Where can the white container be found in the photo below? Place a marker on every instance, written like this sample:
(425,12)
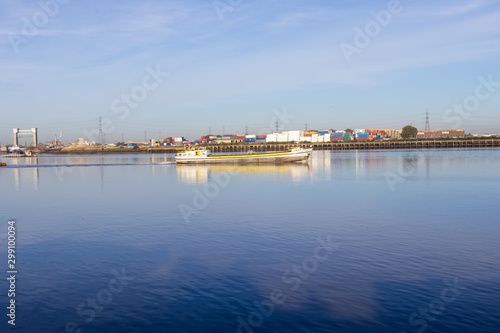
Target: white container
(283,138)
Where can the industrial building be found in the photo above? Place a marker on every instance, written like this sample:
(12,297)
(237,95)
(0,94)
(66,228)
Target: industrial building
(441,134)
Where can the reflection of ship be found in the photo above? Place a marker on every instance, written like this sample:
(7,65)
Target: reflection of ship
(200,174)
(204,156)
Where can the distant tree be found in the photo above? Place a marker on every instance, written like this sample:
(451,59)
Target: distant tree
(409,132)
(348,130)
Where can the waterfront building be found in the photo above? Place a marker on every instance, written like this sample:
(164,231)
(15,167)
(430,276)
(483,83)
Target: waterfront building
(441,134)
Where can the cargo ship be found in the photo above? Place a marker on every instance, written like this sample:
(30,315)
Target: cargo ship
(204,156)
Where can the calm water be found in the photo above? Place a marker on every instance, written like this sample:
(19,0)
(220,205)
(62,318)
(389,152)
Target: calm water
(367,241)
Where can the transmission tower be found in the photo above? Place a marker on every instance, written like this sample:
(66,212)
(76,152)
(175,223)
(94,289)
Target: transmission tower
(306,127)
(427,124)
(101,133)
(246,130)
(277,126)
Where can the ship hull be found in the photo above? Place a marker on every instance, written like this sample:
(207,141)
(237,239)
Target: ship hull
(273,158)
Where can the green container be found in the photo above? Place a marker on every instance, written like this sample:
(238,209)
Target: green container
(347,137)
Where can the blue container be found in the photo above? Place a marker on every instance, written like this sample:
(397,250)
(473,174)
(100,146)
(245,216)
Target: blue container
(250,140)
(337,135)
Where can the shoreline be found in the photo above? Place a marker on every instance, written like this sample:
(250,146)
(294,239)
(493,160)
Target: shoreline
(355,145)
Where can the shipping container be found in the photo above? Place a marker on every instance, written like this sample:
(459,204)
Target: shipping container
(249,140)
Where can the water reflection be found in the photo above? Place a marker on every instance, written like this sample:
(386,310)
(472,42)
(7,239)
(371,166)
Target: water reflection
(200,174)
(19,174)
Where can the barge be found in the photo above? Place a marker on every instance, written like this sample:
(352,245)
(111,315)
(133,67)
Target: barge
(204,156)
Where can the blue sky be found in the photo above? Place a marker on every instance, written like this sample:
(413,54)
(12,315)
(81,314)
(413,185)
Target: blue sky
(239,66)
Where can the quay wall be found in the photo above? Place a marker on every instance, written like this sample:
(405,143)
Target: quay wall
(353,145)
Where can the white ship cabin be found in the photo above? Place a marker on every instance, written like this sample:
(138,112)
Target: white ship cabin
(203,152)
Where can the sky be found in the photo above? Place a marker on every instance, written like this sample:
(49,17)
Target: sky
(190,67)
